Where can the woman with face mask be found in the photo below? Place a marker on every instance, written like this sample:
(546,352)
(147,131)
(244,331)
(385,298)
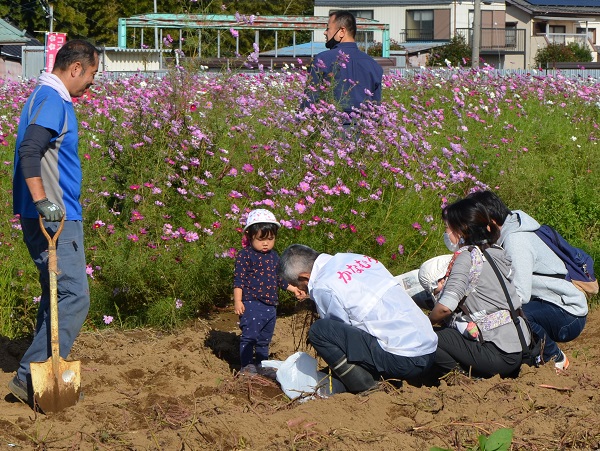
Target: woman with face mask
(473,293)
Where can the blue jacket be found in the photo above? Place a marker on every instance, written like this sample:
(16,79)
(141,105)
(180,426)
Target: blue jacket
(352,71)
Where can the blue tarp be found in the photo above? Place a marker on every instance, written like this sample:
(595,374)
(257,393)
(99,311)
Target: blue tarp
(306,49)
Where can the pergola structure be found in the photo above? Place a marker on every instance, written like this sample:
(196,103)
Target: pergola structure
(256,23)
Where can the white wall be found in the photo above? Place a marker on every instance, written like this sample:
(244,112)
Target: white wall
(10,70)
(129,60)
(395,16)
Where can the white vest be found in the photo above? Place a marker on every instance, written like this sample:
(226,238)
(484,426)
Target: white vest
(358,290)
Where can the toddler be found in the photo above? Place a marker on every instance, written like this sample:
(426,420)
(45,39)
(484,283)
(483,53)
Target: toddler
(255,288)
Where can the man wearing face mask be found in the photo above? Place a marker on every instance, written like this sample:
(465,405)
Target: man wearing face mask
(355,77)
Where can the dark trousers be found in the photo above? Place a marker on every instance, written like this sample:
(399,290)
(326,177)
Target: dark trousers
(484,359)
(257,324)
(552,324)
(334,340)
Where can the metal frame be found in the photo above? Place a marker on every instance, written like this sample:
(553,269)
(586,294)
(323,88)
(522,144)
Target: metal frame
(225,22)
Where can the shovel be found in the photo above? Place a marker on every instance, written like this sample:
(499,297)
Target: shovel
(56,382)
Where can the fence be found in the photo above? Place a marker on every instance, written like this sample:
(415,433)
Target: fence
(587,74)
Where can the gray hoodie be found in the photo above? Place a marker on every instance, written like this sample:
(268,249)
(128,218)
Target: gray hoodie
(529,254)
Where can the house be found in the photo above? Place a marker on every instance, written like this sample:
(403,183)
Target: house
(511,30)
(11,41)
(557,21)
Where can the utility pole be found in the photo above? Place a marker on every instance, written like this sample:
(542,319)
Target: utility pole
(48,8)
(51,16)
(476,34)
(155,30)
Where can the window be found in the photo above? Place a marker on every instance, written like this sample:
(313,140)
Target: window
(419,25)
(591,33)
(555,32)
(511,34)
(540,27)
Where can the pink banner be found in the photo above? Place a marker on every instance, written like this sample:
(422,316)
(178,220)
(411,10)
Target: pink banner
(54,41)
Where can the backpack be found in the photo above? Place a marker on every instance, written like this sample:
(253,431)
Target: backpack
(580,266)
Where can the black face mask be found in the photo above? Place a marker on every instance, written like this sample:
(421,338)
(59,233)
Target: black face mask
(333,42)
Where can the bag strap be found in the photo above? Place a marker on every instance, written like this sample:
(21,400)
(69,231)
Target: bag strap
(513,313)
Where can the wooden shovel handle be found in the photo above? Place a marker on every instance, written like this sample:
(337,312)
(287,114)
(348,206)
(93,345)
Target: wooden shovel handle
(53,271)
(52,265)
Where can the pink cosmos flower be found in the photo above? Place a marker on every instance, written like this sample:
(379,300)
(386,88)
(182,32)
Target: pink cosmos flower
(108,319)
(136,216)
(380,240)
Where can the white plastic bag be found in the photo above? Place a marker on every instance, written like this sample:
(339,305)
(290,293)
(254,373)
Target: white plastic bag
(298,375)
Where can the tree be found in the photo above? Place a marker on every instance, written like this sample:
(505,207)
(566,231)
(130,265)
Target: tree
(25,15)
(561,53)
(98,20)
(456,53)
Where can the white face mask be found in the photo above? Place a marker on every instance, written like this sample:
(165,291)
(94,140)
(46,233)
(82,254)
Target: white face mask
(452,247)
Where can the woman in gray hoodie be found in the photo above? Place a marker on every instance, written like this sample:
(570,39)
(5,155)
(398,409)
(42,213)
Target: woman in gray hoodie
(555,308)
(473,293)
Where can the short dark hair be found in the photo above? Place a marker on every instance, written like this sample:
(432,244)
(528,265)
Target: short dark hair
(345,19)
(74,51)
(472,221)
(262,230)
(497,210)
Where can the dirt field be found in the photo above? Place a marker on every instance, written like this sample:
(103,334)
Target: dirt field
(147,390)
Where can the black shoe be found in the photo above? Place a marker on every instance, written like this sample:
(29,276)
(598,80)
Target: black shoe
(19,389)
(267,371)
(249,370)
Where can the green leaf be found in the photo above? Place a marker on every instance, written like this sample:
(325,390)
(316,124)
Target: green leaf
(500,440)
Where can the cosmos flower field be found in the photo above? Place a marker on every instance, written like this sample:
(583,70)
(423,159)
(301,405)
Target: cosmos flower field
(173,165)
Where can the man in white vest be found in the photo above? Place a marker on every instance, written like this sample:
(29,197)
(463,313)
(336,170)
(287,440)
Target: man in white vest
(369,327)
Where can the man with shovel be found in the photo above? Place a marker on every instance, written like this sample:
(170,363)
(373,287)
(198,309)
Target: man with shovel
(47,185)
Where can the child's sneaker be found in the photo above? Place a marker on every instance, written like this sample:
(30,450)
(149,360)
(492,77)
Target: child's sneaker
(562,362)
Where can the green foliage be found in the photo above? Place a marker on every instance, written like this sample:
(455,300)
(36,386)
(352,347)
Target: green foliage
(163,158)
(97,21)
(377,47)
(499,440)
(17,306)
(562,53)
(456,53)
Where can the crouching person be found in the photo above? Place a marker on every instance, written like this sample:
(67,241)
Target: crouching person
(369,327)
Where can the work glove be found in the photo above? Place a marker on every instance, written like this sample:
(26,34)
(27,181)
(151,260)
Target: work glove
(49,210)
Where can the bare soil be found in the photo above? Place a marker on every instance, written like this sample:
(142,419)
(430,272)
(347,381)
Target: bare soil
(151,390)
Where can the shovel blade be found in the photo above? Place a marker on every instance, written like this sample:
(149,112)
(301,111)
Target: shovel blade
(53,390)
